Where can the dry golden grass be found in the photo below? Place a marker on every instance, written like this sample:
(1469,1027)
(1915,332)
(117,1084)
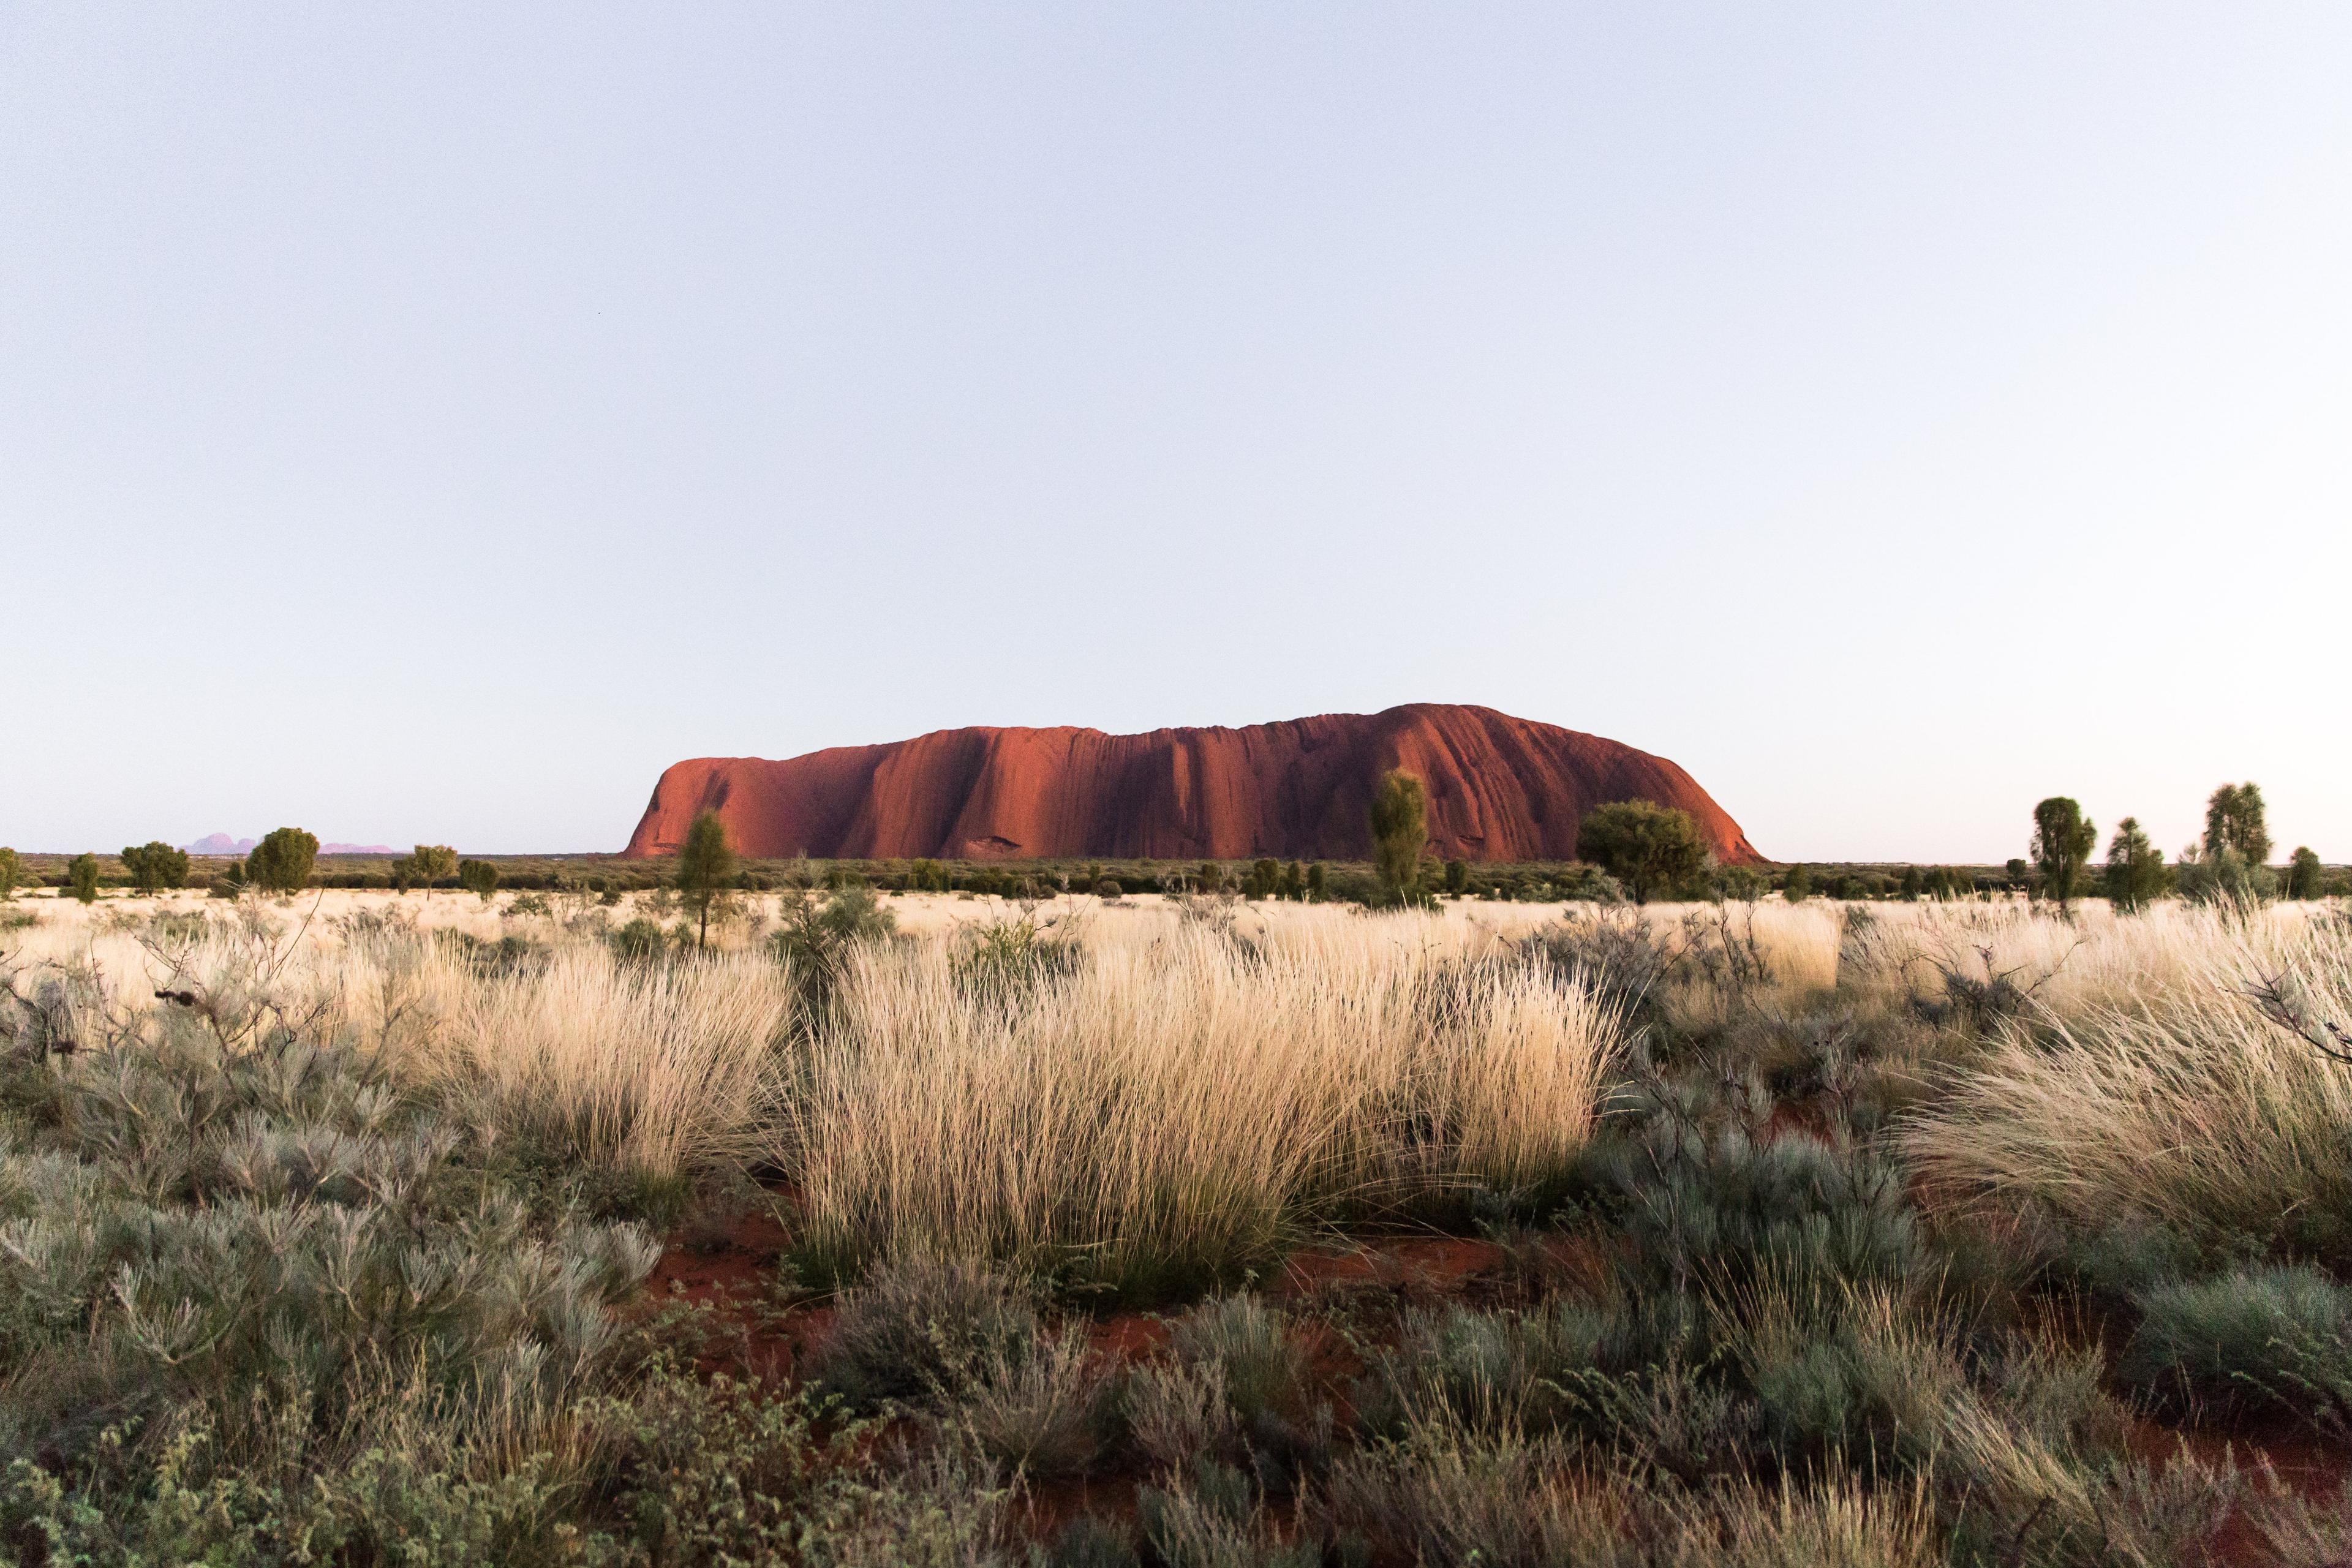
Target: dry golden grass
(651,1067)
(645,1068)
(1196,1087)
(1180,1099)
(2187,1103)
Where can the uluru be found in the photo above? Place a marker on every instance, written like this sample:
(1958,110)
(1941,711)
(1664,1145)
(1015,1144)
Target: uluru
(1499,789)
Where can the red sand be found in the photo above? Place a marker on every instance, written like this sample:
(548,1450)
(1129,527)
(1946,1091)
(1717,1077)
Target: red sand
(1500,789)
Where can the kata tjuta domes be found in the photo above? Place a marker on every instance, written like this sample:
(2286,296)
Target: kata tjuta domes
(1499,789)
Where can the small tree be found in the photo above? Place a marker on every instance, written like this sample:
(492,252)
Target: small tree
(82,871)
(1294,881)
(2236,820)
(706,864)
(155,865)
(2136,875)
(1399,824)
(1211,877)
(404,873)
(1651,848)
(479,877)
(1318,882)
(1265,878)
(2304,876)
(2063,840)
(1457,877)
(432,863)
(281,862)
(12,873)
(1798,886)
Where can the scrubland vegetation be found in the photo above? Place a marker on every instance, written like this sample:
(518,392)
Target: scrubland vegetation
(1183,1231)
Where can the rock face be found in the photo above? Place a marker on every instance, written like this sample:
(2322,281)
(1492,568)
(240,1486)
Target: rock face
(1499,789)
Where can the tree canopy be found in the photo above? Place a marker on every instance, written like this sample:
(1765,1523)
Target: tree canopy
(1652,849)
(705,863)
(281,862)
(155,865)
(2063,840)
(2237,820)
(2136,875)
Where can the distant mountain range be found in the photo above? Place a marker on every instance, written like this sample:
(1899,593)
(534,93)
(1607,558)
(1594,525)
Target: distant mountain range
(222,844)
(219,844)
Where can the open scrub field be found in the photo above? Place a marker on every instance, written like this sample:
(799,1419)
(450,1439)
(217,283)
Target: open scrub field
(357,1228)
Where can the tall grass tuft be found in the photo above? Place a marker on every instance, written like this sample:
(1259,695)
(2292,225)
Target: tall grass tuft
(650,1067)
(2200,1106)
(1164,1114)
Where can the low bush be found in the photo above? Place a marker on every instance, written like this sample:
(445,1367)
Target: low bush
(1210,1518)
(2275,1340)
(1495,1372)
(819,933)
(1238,1391)
(919,1326)
(1446,1496)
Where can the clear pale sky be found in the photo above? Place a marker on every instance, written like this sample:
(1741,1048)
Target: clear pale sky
(427,424)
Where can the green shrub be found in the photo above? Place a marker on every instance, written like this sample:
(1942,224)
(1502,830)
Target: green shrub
(819,932)
(1400,829)
(2224,877)
(281,862)
(1495,1372)
(479,877)
(2305,878)
(917,1329)
(2128,1258)
(12,874)
(1716,1204)
(2136,874)
(81,874)
(640,941)
(1655,851)
(433,863)
(720,1471)
(238,1233)
(2271,1339)
(155,865)
(1008,961)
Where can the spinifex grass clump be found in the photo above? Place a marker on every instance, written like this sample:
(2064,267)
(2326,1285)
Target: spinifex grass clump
(2217,1103)
(1167,1114)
